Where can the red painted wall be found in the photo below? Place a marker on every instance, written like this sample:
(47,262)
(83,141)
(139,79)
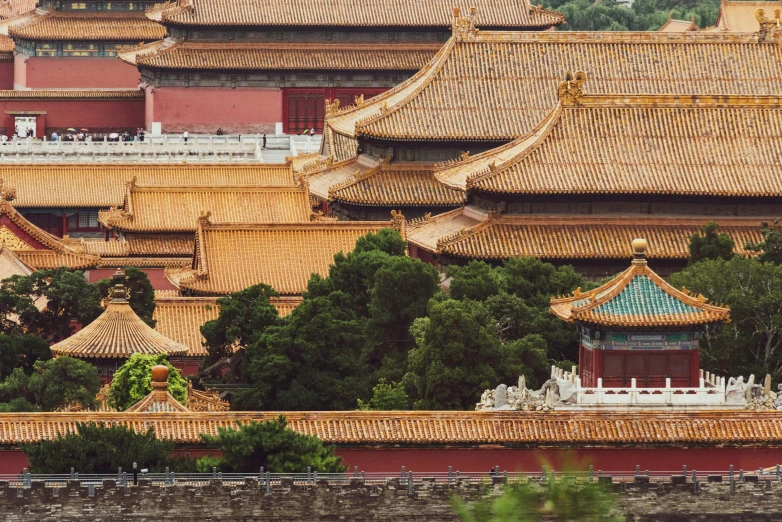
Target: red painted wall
(432,460)
(7,75)
(156,277)
(65,72)
(204,109)
(96,115)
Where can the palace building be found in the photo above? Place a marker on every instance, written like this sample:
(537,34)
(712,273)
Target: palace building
(74,45)
(269,66)
(637,330)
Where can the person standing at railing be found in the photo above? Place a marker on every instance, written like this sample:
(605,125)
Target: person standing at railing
(185,135)
(55,137)
(263,143)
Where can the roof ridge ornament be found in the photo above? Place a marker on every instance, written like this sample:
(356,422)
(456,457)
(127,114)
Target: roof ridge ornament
(463,27)
(767,25)
(332,107)
(571,90)
(639,251)
(7,194)
(205,218)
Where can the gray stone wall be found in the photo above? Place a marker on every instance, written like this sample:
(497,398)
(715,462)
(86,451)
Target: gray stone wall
(641,502)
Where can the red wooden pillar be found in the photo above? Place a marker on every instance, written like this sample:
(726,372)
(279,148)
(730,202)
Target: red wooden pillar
(40,125)
(695,368)
(64,225)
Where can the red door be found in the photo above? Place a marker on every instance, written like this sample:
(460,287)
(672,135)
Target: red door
(306,108)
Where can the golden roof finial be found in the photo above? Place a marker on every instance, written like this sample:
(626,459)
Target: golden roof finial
(639,251)
(571,90)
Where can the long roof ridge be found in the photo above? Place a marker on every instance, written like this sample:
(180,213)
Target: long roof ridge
(405,90)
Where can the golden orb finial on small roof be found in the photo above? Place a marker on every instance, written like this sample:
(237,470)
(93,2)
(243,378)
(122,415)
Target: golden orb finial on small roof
(160,373)
(639,249)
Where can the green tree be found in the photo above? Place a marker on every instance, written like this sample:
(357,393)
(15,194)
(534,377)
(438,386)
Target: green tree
(21,351)
(386,397)
(103,449)
(770,248)
(457,351)
(710,243)
(271,445)
(400,294)
(54,384)
(385,240)
(477,281)
(752,341)
(527,357)
(310,362)
(69,300)
(133,381)
(142,295)
(244,316)
(15,394)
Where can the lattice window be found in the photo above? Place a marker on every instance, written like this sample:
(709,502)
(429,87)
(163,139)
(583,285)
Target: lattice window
(679,365)
(613,365)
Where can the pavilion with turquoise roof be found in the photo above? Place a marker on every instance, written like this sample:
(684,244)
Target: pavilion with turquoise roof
(637,326)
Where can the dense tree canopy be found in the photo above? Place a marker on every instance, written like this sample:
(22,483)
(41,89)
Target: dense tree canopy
(643,15)
(133,381)
(710,243)
(21,351)
(101,449)
(271,445)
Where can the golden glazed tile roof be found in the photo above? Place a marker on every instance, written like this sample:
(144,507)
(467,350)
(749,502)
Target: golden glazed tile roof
(145,262)
(323,175)
(14,8)
(516,14)
(62,26)
(6,44)
(390,428)
(425,232)
(103,186)
(679,26)
(637,297)
(167,245)
(274,56)
(739,16)
(176,209)
(673,145)
(229,257)
(86,94)
(593,237)
(117,333)
(396,185)
(181,318)
(497,86)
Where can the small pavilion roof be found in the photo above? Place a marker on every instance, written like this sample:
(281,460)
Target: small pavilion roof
(229,257)
(102,186)
(186,55)
(638,297)
(117,333)
(177,208)
(95,26)
(714,146)
(159,399)
(497,86)
(510,14)
(679,26)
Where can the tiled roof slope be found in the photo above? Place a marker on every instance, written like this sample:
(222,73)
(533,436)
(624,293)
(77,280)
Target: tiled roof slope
(97,26)
(232,256)
(14,8)
(679,145)
(142,245)
(594,237)
(396,185)
(516,14)
(426,232)
(103,186)
(323,175)
(678,26)
(117,333)
(265,56)
(739,16)
(181,318)
(497,86)
(176,209)
(637,297)
(529,429)
(6,44)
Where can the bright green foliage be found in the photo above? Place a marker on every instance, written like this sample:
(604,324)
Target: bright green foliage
(54,384)
(710,243)
(386,240)
(271,445)
(457,352)
(402,289)
(244,316)
(771,247)
(21,351)
(752,341)
(142,295)
(100,449)
(386,397)
(566,497)
(477,281)
(311,362)
(69,298)
(133,381)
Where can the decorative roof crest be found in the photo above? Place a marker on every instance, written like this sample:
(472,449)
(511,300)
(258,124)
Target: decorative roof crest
(463,27)
(6,193)
(359,100)
(767,25)
(205,218)
(571,90)
(332,107)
